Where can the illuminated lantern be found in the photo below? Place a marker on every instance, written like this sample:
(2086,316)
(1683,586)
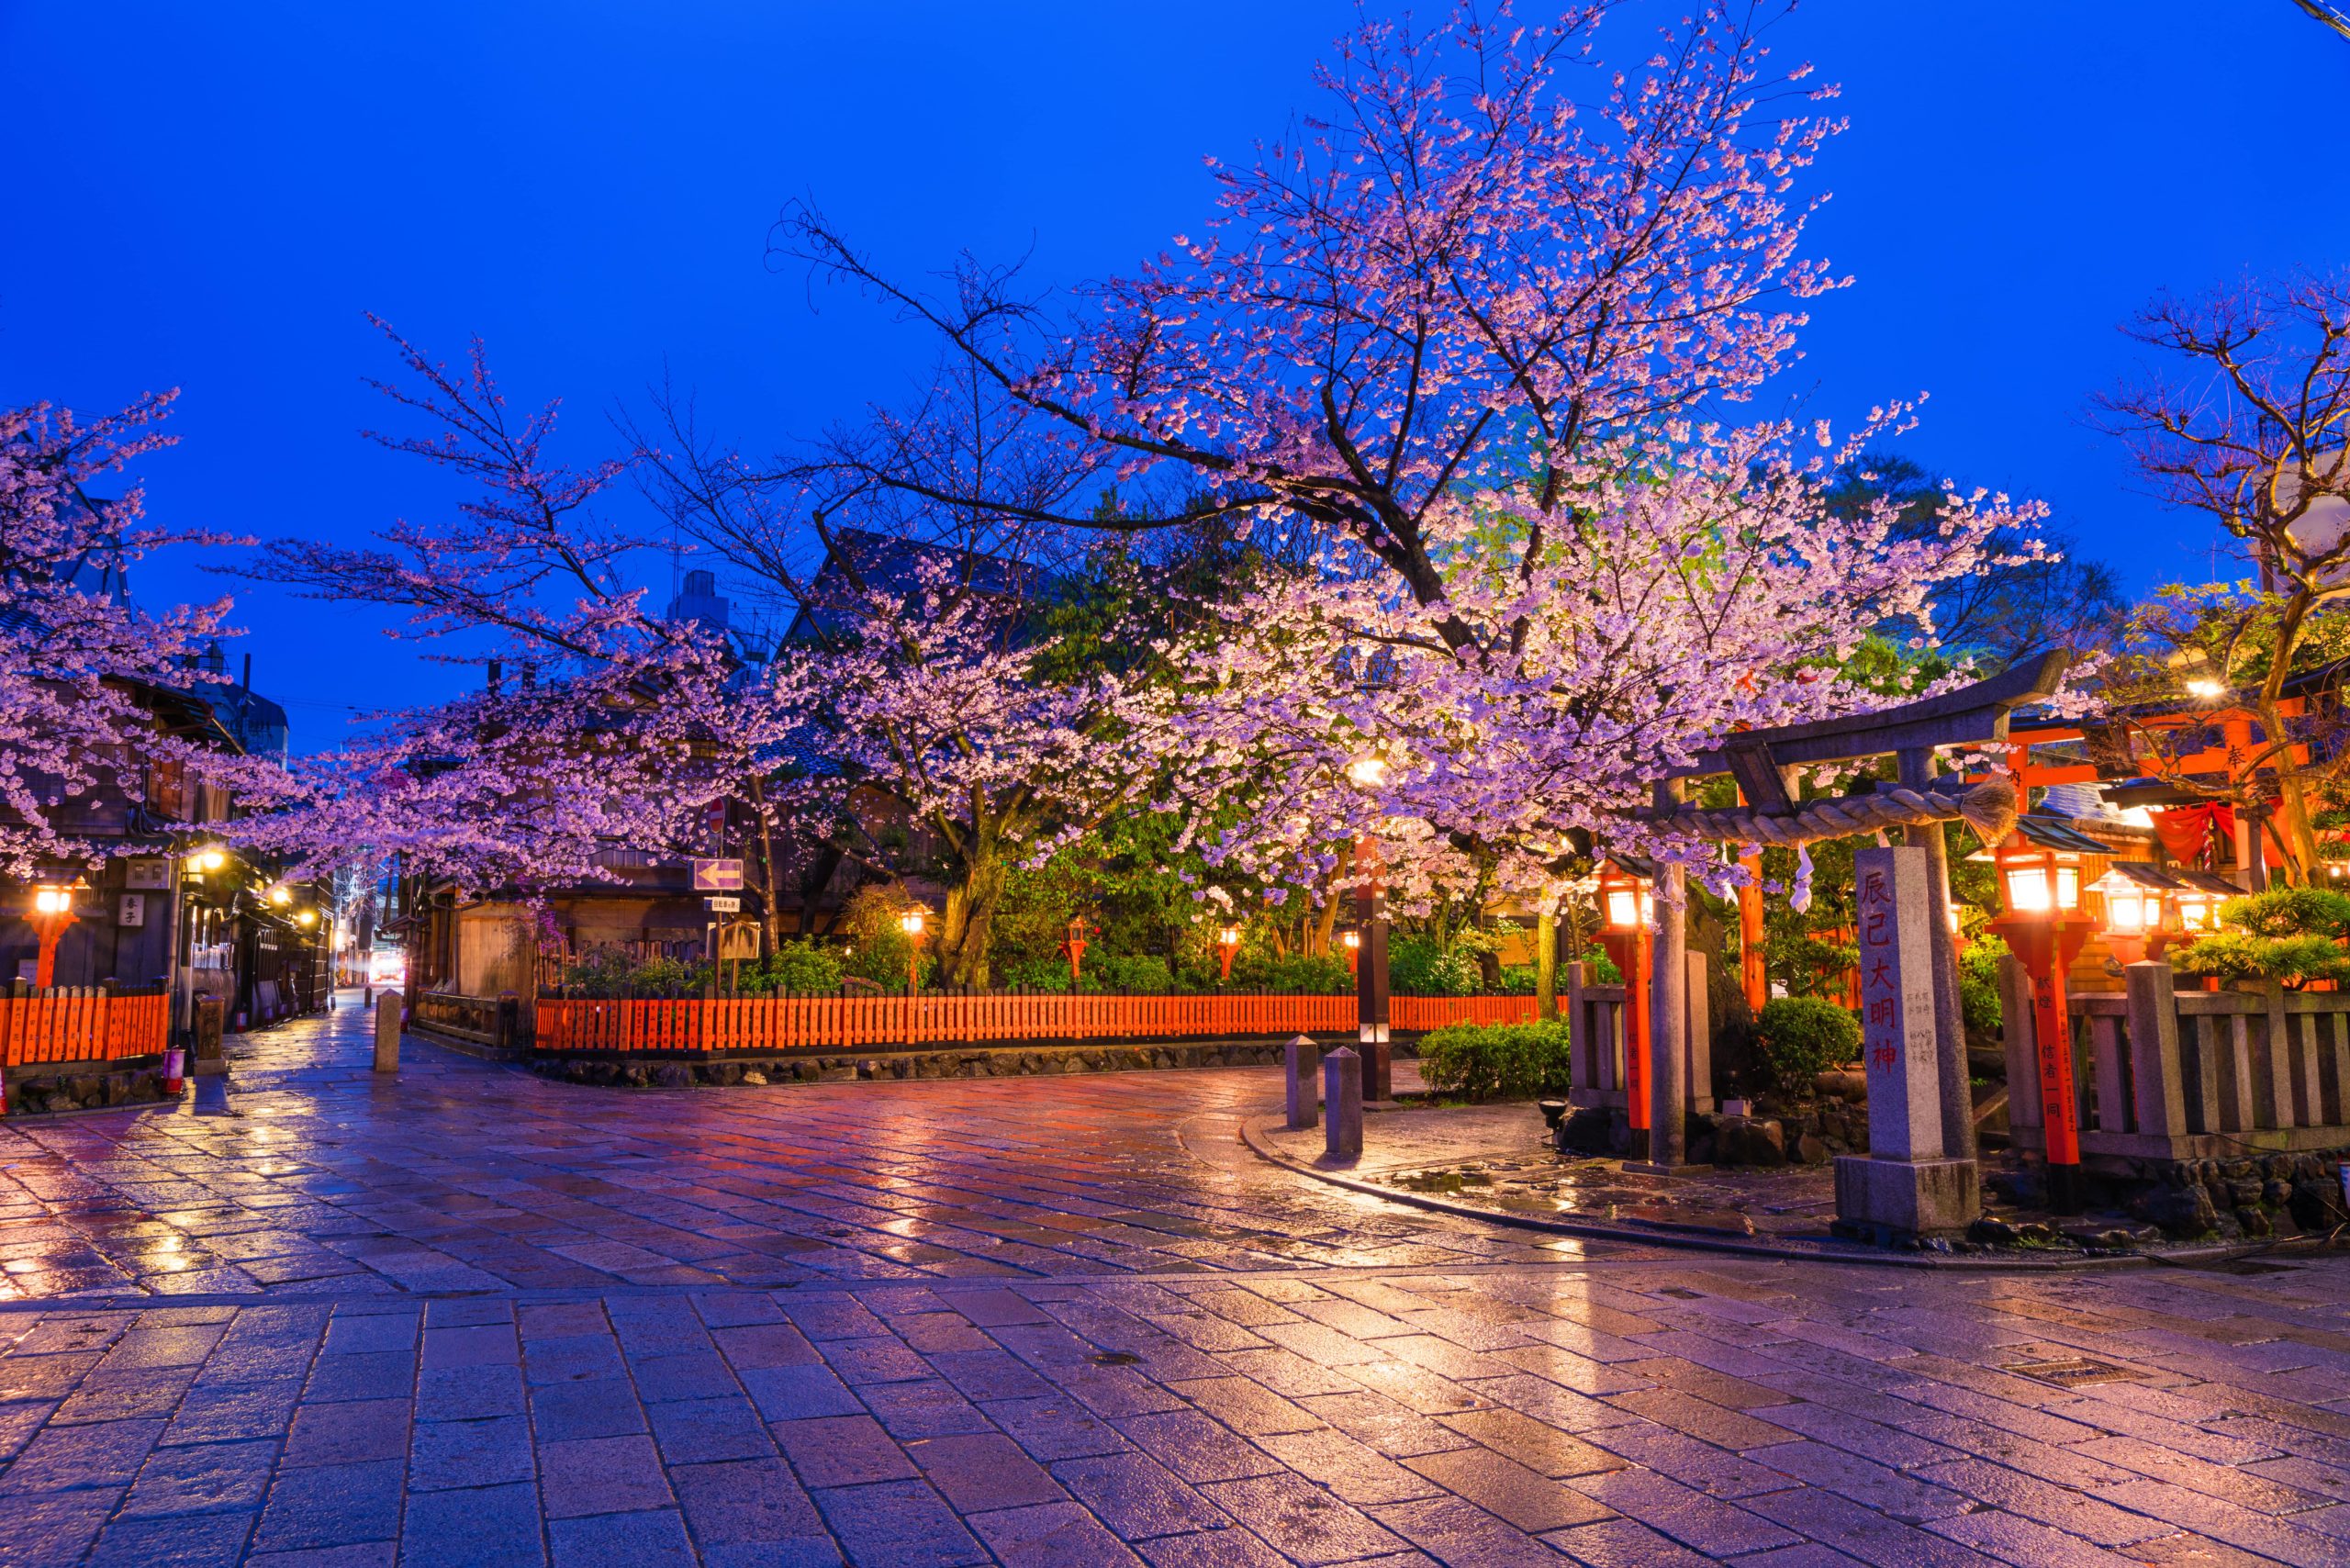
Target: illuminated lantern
(1353,942)
(52,913)
(2045,926)
(1228,943)
(1627,913)
(911,924)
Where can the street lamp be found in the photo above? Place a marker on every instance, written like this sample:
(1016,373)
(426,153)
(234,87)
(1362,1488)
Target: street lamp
(204,861)
(1228,943)
(1075,948)
(1353,942)
(2046,927)
(911,924)
(52,913)
(1626,916)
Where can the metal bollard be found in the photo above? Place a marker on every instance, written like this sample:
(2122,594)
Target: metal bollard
(1342,1094)
(387,1032)
(1305,1088)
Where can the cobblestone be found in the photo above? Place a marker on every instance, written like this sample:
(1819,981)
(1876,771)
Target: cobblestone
(1064,1321)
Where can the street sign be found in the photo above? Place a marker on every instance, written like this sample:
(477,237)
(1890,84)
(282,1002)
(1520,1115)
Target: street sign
(724,905)
(738,939)
(718,876)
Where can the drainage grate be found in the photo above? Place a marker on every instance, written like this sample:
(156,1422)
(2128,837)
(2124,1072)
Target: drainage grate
(1681,1292)
(2074,1371)
(1115,1359)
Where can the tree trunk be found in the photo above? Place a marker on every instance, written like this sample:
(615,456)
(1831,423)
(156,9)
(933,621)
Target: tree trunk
(970,919)
(767,866)
(1546,962)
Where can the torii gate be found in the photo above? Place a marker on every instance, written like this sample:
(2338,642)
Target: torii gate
(1919,1174)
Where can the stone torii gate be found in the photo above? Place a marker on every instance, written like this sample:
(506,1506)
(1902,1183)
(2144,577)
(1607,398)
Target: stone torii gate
(1919,1173)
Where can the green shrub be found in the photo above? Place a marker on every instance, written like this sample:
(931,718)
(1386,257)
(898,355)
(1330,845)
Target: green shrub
(1145,974)
(2282,911)
(1034,974)
(1296,971)
(1417,966)
(1517,980)
(604,973)
(2240,954)
(2288,934)
(1978,984)
(1801,1036)
(1599,968)
(794,966)
(1496,1061)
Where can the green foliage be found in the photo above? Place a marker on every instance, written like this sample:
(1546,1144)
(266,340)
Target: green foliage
(605,972)
(1293,971)
(2240,954)
(1145,974)
(1496,1061)
(1517,980)
(794,966)
(1033,974)
(2288,934)
(1801,1036)
(1978,984)
(1601,968)
(2286,911)
(1422,966)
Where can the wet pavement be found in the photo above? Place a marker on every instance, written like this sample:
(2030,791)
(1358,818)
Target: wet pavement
(470,1316)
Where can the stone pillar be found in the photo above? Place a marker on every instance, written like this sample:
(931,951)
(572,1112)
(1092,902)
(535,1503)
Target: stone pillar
(1918,771)
(387,1032)
(1905,1184)
(1304,1064)
(1342,1091)
(2157,1076)
(1668,1041)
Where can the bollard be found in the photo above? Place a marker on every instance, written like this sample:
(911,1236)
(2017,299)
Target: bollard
(1304,1059)
(387,1032)
(1342,1093)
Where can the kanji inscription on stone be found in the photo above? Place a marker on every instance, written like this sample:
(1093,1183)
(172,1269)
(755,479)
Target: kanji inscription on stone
(1896,933)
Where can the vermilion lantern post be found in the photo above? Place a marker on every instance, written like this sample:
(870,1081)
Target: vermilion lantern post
(1627,911)
(1075,946)
(911,924)
(1227,942)
(1353,942)
(2045,926)
(52,911)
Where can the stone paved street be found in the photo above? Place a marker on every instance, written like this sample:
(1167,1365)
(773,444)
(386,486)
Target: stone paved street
(473,1317)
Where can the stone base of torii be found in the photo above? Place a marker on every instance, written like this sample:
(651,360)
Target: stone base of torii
(1919,1176)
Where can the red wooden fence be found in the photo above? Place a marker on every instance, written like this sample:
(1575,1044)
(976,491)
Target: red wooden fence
(81,1024)
(1421,1013)
(826,1022)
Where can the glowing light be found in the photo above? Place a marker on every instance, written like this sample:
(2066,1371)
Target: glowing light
(51,900)
(1367,772)
(910,922)
(2205,690)
(210,860)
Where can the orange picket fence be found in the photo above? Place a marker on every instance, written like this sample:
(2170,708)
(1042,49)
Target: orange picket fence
(1417,1013)
(829,1022)
(82,1023)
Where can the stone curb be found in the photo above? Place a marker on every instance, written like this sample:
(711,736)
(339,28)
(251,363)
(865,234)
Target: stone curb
(1252,1133)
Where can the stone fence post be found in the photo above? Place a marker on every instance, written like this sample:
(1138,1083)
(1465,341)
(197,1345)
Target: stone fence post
(2157,1075)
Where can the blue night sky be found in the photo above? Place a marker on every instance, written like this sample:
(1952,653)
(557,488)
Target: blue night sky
(208,196)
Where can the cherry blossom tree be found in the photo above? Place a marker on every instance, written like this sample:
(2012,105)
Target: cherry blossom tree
(1471,325)
(1701,586)
(931,725)
(600,725)
(75,655)
(1491,251)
